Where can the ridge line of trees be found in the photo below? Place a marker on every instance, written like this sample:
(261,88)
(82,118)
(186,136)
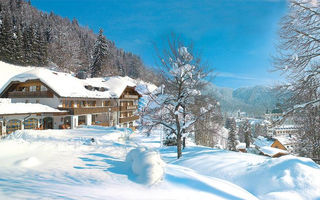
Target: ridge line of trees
(32,37)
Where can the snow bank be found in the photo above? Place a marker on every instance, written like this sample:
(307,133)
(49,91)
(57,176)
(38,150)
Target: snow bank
(147,165)
(264,177)
(28,162)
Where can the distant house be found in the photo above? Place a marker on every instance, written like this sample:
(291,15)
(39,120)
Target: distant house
(241,147)
(71,101)
(270,147)
(287,128)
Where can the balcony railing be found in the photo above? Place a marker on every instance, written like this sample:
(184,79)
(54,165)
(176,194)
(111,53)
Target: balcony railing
(89,110)
(125,108)
(34,94)
(128,96)
(128,119)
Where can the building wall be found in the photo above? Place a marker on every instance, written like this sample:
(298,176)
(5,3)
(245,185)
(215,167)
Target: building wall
(278,145)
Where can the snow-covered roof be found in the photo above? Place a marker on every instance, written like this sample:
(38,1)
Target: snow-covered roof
(285,139)
(26,108)
(270,151)
(263,141)
(115,84)
(10,70)
(66,85)
(241,146)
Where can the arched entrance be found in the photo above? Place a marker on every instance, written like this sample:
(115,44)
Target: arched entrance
(48,123)
(13,125)
(31,123)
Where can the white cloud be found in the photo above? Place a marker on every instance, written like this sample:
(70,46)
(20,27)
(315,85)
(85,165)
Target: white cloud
(236,76)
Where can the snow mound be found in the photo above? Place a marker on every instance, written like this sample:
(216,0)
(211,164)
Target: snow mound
(28,162)
(147,165)
(264,177)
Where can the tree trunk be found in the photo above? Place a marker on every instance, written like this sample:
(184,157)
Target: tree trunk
(184,143)
(179,152)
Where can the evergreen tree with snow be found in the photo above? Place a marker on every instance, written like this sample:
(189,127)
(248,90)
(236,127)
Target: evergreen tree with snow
(6,39)
(247,133)
(232,140)
(99,55)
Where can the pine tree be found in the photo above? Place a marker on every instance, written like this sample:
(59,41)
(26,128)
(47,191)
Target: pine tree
(28,39)
(6,40)
(247,133)
(232,140)
(99,55)
(39,47)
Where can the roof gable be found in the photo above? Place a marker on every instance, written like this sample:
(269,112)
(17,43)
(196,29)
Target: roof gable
(63,84)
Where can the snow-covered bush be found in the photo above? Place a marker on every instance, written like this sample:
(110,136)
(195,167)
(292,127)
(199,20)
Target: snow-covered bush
(146,165)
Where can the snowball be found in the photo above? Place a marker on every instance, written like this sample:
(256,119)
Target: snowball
(28,162)
(146,165)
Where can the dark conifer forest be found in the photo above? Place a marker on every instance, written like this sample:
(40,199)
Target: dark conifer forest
(32,37)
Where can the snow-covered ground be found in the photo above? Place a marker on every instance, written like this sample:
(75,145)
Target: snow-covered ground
(66,164)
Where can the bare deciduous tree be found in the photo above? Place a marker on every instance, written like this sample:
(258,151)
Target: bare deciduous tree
(299,60)
(183,78)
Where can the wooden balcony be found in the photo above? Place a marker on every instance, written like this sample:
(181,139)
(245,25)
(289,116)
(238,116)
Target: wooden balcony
(128,96)
(34,94)
(125,108)
(89,110)
(128,119)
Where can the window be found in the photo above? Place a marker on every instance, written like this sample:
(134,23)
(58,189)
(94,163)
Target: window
(43,88)
(107,103)
(92,103)
(30,123)
(70,104)
(33,88)
(13,125)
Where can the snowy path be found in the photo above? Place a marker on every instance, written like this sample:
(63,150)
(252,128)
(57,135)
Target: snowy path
(65,164)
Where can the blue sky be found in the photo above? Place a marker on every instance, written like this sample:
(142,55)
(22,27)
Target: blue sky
(235,37)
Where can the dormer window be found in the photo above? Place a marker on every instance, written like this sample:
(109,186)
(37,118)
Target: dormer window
(88,87)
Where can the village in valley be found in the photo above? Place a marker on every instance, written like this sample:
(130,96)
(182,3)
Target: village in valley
(82,118)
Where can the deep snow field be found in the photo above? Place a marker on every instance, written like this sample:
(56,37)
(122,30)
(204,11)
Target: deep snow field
(66,164)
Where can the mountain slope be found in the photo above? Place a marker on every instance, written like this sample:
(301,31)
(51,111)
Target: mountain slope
(31,37)
(252,100)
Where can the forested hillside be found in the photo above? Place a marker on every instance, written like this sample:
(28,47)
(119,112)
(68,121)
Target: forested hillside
(31,37)
(255,101)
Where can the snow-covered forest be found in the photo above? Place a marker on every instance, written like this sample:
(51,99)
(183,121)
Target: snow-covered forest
(32,37)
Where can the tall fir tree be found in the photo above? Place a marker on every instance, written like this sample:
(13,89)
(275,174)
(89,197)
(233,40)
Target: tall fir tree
(28,39)
(99,55)
(7,40)
(232,140)
(247,133)
(39,48)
